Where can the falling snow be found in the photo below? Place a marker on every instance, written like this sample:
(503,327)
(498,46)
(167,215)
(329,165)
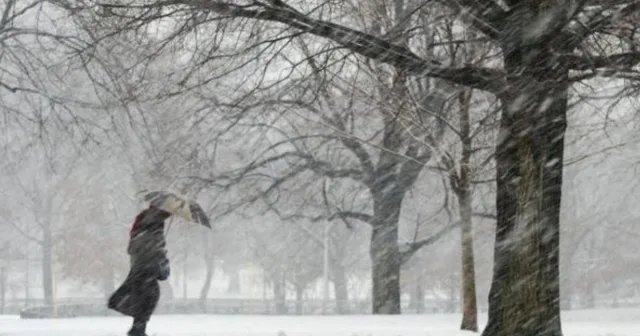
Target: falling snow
(349,167)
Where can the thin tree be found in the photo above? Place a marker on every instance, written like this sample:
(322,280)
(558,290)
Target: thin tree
(462,164)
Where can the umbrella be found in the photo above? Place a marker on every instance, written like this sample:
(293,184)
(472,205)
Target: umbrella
(177,205)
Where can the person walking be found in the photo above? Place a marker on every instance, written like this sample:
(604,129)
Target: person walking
(139,293)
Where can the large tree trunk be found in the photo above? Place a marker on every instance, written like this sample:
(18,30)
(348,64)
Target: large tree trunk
(385,255)
(340,285)
(524,299)
(47,266)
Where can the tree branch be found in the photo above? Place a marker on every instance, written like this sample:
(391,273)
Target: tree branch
(344,215)
(311,163)
(364,44)
(358,150)
(581,63)
(23,232)
(485,215)
(348,141)
(412,248)
(325,200)
(363,217)
(600,20)
(410,170)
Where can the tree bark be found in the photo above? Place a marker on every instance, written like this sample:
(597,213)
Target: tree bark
(340,285)
(385,255)
(524,299)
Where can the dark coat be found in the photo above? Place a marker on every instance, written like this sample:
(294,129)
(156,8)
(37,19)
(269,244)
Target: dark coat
(139,293)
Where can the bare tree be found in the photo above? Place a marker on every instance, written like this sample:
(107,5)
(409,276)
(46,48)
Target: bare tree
(42,92)
(292,261)
(386,181)
(43,99)
(341,241)
(404,141)
(345,254)
(545,48)
(40,200)
(464,164)
(96,221)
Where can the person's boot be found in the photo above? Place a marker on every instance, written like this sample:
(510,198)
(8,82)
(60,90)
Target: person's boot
(138,328)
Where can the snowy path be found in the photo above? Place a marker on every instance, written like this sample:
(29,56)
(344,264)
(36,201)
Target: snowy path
(621,322)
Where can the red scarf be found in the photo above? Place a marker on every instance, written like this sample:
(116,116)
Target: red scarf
(135,228)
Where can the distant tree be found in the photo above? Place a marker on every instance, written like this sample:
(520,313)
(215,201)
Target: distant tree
(96,224)
(35,210)
(287,257)
(346,252)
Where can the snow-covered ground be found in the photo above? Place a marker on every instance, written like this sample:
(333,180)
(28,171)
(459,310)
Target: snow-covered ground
(618,322)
